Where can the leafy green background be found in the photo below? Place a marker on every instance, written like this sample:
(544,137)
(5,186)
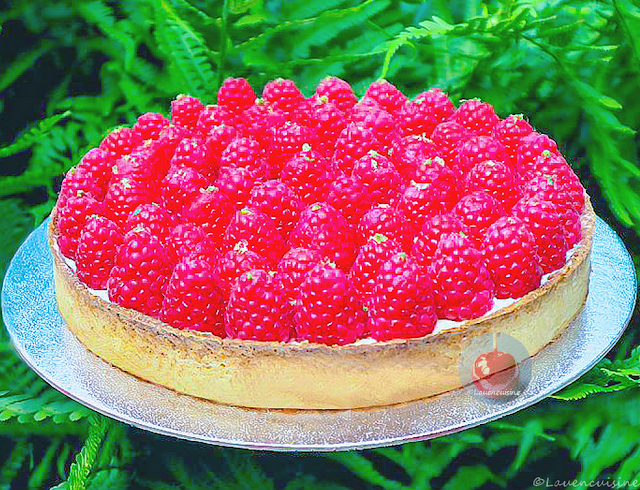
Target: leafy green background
(71,70)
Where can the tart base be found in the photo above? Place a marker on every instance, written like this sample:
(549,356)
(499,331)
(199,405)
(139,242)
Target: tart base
(312,376)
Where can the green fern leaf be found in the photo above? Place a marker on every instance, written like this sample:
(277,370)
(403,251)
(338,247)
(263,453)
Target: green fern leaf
(365,469)
(22,64)
(331,23)
(241,6)
(615,442)
(43,468)
(186,50)
(31,136)
(469,477)
(193,15)
(12,465)
(592,385)
(629,15)
(303,10)
(85,459)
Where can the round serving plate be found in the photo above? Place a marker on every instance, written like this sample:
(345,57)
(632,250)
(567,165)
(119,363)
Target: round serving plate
(42,339)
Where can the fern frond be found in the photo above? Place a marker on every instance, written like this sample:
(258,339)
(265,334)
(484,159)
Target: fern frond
(12,465)
(598,380)
(85,459)
(331,23)
(473,477)
(616,441)
(186,50)
(23,63)
(43,468)
(488,29)
(365,469)
(193,15)
(31,136)
(303,10)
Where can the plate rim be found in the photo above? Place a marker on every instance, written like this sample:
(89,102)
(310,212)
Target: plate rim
(381,442)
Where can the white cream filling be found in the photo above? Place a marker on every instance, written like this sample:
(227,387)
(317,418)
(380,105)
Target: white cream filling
(441,324)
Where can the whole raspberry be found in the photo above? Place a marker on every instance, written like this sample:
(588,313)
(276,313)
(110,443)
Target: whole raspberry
(380,177)
(143,165)
(153,217)
(497,179)
(419,202)
(180,186)
(189,240)
(548,188)
(165,146)
(121,141)
(478,211)
(510,254)
(216,142)
(401,305)
(462,284)
(447,136)
(191,152)
(211,210)
(236,95)
(234,263)
(245,152)
(282,94)
(321,227)
(71,219)
(149,125)
(409,152)
(258,231)
(446,181)
(383,124)
(293,268)
(545,223)
(309,175)
(338,92)
(477,116)
(212,116)
(328,310)
(350,196)
(371,256)
(185,111)
(555,165)
(97,165)
(530,147)
(193,299)
(326,121)
(236,183)
(387,95)
(99,242)
(422,114)
(353,143)
(77,181)
(287,140)
(426,242)
(257,309)
(478,149)
(276,199)
(387,221)
(259,120)
(123,197)
(142,269)
(510,131)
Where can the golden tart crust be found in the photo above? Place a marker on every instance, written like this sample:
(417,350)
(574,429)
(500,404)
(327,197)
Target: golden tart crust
(312,376)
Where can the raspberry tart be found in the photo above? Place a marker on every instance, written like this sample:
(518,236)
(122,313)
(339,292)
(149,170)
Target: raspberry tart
(322,252)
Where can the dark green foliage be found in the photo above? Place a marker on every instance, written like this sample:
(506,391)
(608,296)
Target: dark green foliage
(76,69)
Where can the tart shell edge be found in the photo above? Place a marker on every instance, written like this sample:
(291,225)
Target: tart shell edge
(312,376)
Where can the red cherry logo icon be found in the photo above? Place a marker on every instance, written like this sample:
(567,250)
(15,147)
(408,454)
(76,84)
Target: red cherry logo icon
(495,373)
